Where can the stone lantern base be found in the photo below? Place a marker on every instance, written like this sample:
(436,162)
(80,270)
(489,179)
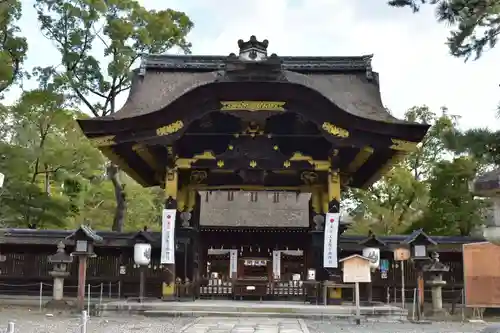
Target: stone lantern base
(58,304)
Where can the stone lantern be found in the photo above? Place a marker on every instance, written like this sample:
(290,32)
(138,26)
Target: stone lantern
(60,260)
(435,270)
(84,239)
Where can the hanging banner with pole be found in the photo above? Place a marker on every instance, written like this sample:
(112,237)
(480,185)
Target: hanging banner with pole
(330,256)
(277,265)
(233,264)
(168,236)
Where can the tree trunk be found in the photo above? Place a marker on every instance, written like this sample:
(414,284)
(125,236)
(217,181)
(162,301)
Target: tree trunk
(120,196)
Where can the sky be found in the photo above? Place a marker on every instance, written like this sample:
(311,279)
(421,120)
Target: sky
(409,49)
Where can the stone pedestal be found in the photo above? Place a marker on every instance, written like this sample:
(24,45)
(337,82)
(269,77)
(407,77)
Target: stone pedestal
(436,285)
(58,290)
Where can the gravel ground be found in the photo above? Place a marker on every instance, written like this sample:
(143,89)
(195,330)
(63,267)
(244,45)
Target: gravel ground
(31,322)
(381,327)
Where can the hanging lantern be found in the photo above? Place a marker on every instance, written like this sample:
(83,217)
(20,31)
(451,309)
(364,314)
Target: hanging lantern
(373,254)
(142,254)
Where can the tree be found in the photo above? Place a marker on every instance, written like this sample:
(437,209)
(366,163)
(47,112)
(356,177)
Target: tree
(475,23)
(391,205)
(432,148)
(13,47)
(123,30)
(400,199)
(41,150)
(453,209)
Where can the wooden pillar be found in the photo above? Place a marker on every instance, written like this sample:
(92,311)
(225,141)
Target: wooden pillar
(171,187)
(331,204)
(194,202)
(333,198)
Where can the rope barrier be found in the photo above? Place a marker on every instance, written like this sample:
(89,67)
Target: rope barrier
(51,285)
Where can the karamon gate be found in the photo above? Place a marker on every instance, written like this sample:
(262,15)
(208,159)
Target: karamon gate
(252,130)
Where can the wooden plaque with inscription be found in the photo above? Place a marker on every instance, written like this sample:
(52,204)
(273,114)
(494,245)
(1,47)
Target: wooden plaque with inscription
(482,275)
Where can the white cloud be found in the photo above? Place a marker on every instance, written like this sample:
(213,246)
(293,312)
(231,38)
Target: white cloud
(410,55)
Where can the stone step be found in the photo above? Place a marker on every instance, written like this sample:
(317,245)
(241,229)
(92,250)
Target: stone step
(284,310)
(249,314)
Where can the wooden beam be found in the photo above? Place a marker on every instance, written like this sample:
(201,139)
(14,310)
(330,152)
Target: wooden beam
(123,165)
(361,157)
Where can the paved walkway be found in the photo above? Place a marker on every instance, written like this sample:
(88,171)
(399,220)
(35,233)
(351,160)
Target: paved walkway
(247,325)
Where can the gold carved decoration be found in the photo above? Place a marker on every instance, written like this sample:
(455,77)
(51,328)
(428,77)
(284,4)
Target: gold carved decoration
(317,164)
(171,183)
(286,164)
(220,163)
(321,165)
(198,176)
(206,155)
(333,185)
(102,141)
(298,156)
(309,177)
(253,164)
(184,163)
(253,129)
(252,106)
(335,130)
(403,145)
(170,128)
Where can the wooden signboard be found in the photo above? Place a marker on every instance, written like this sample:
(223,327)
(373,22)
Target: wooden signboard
(356,268)
(482,275)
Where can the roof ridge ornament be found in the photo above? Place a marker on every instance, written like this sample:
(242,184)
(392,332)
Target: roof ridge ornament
(253,50)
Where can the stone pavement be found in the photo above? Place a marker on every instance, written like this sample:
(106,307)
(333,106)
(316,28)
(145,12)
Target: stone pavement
(245,325)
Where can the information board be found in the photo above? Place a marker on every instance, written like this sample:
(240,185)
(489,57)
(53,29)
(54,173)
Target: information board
(482,275)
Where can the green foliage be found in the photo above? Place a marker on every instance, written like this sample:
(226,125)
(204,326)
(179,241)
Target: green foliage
(13,47)
(54,177)
(391,205)
(425,190)
(475,23)
(432,148)
(453,209)
(100,41)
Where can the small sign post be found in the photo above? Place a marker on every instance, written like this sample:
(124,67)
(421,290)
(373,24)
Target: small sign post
(356,269)
(402,254)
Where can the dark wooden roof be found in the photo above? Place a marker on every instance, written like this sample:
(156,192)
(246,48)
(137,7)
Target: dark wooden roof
(156,88)
(487,184)
(419,237)
(120,239)
(334,102)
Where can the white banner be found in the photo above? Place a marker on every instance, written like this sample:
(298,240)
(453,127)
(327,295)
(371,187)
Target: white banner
(277,264)
(330,257)
(168,236)
(233,264)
